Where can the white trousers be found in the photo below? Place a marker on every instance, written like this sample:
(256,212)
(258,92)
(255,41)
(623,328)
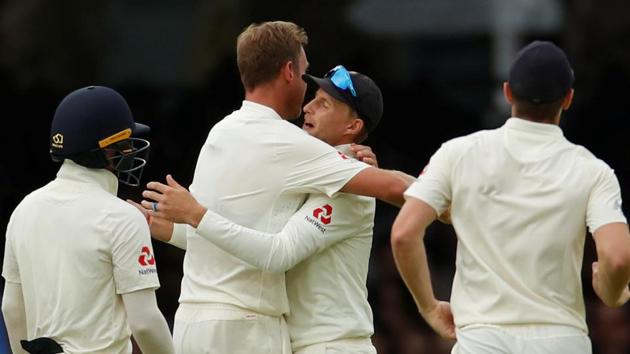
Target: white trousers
(528,339)
(342,346)
(224,329)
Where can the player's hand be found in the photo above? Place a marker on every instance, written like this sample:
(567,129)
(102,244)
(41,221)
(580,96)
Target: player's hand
(623,297)
(365,154)
(172,202)
(161,229)
(440,318)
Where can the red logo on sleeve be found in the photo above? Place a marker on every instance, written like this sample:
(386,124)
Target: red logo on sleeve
(343,156)
(146,257)
(324,214)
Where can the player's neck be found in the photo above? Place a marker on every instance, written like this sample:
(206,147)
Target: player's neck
(552,120)
(268,95)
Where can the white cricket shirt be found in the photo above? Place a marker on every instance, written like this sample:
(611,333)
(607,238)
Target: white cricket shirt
(75,247)
(325,247)
(521,197)
(255,169)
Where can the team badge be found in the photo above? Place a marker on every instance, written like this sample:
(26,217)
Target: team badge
(146,257)
(57,141)
(323,213)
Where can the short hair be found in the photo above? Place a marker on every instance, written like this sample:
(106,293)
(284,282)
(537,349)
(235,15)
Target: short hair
(262,49)
(537,112)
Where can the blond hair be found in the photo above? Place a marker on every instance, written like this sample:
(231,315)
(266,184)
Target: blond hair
(262,49)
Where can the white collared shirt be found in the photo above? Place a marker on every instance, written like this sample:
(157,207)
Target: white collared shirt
(255,169)
(75,247)
(327,291)
(325,247)
(521,197)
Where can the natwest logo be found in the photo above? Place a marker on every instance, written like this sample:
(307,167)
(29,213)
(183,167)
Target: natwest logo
(146,257)
(324,213)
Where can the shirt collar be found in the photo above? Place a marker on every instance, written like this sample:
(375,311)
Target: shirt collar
(260,110)
(528,126)
(71,171)
(345,149)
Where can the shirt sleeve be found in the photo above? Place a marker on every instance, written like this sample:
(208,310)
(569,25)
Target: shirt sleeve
(310,230)
(132,256)
(604,204)
(10,269)
(316,167)
(178,238)
(433,186)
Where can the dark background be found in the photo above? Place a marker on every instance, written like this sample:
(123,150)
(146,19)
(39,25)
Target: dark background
(440,65)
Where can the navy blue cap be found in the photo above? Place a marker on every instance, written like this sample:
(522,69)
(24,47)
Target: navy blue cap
(90,118)
(540,73)
(369,100)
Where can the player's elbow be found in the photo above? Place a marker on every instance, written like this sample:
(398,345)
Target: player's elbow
(619,262)
(10,312)
(141,328)
(401,237)
(617,259)
(142,324)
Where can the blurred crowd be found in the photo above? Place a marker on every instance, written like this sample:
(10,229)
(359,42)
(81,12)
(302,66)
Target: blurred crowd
(444,85)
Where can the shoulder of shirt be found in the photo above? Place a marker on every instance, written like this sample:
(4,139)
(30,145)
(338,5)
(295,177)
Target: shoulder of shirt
(121,210)
(589,159)
(32,197)
(286,126)
(465,142)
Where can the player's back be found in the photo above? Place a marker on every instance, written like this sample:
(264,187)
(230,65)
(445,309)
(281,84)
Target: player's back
(255,169)
(519,206)
(62,240)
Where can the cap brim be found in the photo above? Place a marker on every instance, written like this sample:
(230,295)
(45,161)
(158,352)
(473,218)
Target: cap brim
(140,129)
(327,86)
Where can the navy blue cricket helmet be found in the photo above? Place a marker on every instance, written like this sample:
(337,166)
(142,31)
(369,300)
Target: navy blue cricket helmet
(93,127)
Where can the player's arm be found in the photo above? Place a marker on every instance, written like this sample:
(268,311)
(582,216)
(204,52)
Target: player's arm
(14,314)
(302,236)
(147,324)
(608,225)
(274,252)
(381,184)
(611,272)
(409,253)
(319,168)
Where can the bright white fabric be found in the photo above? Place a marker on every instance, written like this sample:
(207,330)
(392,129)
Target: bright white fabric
(75,247)
(14,314)
(532,339)
(226,329)
(343,346)
(327,292)
(255,169)
(521,197)
(148,326)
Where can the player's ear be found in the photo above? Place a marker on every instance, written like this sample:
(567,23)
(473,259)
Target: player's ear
(507,92)
(355,126)
(287,71)
(568,99)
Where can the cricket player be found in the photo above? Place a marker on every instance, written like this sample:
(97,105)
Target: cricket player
(256,169)
(79,269)
(521,199)
(325,246)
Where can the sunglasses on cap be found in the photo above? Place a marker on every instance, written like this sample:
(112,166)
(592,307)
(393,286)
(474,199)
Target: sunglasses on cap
(340,77)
